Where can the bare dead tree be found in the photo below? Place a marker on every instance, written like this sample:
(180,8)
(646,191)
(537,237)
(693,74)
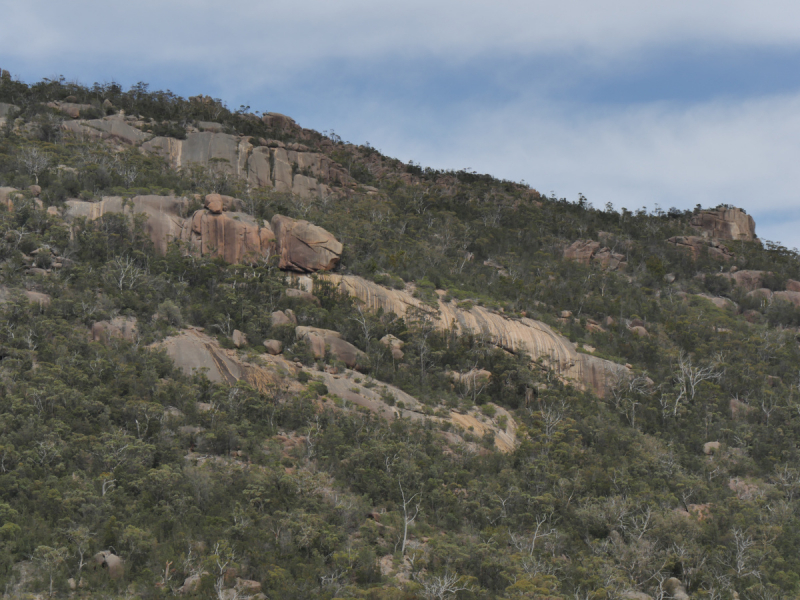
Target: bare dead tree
(408,517)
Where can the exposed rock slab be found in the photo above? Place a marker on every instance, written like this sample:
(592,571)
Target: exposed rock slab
(513,335)
(108,128)
(164,224)
(294,172)
(194,351)
(696,245)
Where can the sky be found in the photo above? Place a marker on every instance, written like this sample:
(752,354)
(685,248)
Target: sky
(640,104)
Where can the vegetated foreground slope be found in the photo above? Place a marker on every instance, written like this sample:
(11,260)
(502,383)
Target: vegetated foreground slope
(244,359)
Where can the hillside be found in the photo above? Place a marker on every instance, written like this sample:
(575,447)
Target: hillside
(241,358)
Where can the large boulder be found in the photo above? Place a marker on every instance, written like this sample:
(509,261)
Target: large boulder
(280,317)
(675,588)
(304,247)
(725,224)
(109,562)
(321,340)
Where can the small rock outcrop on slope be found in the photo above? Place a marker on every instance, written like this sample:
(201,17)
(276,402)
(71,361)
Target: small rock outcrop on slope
(589,251)
(513,335)
(725,224)
(696,245)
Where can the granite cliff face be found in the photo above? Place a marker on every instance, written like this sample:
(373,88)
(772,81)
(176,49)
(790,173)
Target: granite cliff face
(290,168)
(512,335)
(215,230)
(725,224)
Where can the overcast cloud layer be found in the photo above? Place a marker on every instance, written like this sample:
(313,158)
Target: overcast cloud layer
(626,102)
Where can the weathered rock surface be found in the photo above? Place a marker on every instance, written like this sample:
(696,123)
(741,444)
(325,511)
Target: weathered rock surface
(747,279)
(321,340)
(71,109)
(274,347)
(696,245)
(280,317)
(304,247)
(239,339)
(793,297)
(166,214)
(193,351)
(235,155)
(109,562)
(395,346)
(236,237)
(513,335)
(9,294)
(114,127)
(123,328)
(589,251)
(725,224)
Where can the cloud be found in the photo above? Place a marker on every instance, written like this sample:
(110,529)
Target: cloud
(495,86)
(741,153)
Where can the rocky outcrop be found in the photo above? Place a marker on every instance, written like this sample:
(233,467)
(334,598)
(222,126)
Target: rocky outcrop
(321,340)
(71,109)
(236,237)
(304,247)
(589,251)
(395,346)
(747,279)
(725,224)
(193,352)
(166,214)
(513,335)
(696,245)
(300,173)
(109,128)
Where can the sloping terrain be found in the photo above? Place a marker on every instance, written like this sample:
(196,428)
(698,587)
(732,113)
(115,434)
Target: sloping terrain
(240,358)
